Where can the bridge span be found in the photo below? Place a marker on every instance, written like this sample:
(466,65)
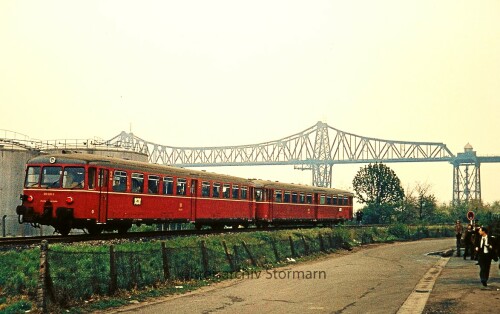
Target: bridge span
(317,148)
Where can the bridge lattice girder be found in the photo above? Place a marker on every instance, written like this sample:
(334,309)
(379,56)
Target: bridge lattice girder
(317,146)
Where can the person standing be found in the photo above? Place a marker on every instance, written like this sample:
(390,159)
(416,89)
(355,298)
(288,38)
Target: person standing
(485,251)
(468,242)
(359,217)
(458,235)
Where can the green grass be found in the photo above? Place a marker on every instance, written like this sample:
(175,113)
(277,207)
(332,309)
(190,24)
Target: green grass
(81,272)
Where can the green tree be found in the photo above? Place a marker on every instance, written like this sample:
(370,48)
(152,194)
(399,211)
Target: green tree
(377,184)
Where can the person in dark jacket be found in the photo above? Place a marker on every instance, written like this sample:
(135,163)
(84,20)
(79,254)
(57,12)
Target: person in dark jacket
(458,235)
(475,239)
(486,249)
(468,242)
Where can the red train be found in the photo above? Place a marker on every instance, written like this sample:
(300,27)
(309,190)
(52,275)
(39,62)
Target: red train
(99,193)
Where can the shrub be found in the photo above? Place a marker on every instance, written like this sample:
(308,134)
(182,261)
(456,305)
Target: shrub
(399,231)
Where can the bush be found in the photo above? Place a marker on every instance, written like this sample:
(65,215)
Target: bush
(399,231)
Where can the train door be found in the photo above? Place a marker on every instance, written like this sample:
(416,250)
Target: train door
(103,187)
(251,203)
(316,201)
(269,196)
(194,194)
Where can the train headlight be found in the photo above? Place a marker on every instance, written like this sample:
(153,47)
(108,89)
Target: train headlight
(30,198)
(69,200)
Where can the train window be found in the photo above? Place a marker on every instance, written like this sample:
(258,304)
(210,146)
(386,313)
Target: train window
(335,201)
(244,192)
(73,177)
(92,176)
(216,190)
(137,182)
(168,185)
(302,198)
(181,186)
(258,195)
(205,189)
(309,199)
(322,199)
(225,190)
(329,200)
(51,177)
(119,181)
(32,177)
(236,191)
(286,199)
(294,197)
(153,184)
(278,196)
(346,201)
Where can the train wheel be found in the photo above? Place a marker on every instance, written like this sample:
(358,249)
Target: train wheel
(218,227)
(64,230)
(94,230)
(198,226)
(123,229)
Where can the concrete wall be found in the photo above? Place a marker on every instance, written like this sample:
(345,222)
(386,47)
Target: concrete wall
(12,164)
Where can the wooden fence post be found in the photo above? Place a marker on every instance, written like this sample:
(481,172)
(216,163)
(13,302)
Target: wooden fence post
(113,276)
(306,246)
(292,248)
(321,243)
(166,270)
(45,285)
(275,250)
(204,258)
(254,262)
(228,256)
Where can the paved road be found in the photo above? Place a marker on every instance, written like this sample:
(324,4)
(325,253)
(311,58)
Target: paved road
(369,280)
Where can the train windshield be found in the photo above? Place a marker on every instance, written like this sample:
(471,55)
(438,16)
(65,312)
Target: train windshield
(51,177)
(32,177)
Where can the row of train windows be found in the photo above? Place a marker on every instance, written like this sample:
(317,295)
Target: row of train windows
(74,178)
(302,198)
(179,185)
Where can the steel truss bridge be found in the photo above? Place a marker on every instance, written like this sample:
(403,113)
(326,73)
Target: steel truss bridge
(317,148)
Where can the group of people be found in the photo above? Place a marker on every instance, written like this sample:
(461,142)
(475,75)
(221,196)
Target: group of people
(480,245)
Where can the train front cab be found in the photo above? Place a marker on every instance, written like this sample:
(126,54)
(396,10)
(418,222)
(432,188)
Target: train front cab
(62,193)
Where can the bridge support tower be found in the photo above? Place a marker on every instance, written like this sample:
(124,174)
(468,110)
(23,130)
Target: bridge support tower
(322,172)
(466,176)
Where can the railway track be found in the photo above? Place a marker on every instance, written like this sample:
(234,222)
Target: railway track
(24,242)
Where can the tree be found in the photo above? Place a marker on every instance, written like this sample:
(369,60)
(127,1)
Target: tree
(377,184)
(379,188)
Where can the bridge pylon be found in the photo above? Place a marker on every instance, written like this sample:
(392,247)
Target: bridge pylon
(466,176)
(322,172)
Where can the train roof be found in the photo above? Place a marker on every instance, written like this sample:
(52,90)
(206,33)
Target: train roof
(299,187)
(124,164)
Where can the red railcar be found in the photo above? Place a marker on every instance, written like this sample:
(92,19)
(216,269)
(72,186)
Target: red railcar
(282,203)
(99,193)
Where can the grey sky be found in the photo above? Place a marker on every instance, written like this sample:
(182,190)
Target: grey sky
(209,73)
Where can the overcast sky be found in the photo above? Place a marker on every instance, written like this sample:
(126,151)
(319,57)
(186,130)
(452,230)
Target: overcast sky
(210,73)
